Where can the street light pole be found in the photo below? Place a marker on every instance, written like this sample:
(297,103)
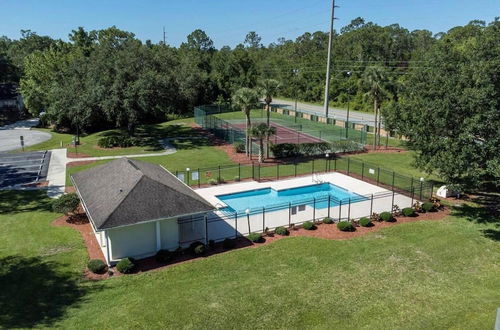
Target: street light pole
(348,73)
(328,62)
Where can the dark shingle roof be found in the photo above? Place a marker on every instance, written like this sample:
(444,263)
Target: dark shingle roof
(125,192)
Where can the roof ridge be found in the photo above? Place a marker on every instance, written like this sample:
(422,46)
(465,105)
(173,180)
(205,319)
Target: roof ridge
(124,196)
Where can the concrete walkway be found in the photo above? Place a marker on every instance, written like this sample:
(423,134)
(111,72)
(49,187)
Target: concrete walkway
(59,159)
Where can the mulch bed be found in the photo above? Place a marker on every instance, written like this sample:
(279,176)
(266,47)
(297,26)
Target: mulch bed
(80,222)
(324,231)
(383,150)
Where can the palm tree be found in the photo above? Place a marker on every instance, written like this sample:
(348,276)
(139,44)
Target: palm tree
(373,82)
(261,132)
(245,99)
(268,88)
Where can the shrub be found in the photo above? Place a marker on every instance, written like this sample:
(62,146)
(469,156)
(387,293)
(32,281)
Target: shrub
(239,147)
(284,150)
(365,222)
(345,226)
(408,212)
(428,207)
(125,266)
(237,179)
(308,225)
(96,266)
(164,256)
(328,220)
(282,231)
(386,216)
(121,141)
(228,244)
(212,182)
(375,217)
(200,249)
(67,203)
(255,237)
(197,248)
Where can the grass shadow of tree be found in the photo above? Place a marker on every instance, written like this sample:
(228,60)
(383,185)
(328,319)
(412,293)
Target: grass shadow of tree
(484,209)
(33,292)
(15,201)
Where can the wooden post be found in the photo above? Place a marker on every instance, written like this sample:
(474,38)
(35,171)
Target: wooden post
(295,167)
(313,166)
(277,171)
(392,203)
(253,171)
(393,174)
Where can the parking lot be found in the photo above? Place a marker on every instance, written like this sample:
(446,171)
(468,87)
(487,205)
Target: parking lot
(23,168)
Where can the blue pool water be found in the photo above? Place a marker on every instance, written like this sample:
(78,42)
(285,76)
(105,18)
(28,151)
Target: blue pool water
(274,200)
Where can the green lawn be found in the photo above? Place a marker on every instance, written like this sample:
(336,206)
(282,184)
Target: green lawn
(420,275)
(89,146)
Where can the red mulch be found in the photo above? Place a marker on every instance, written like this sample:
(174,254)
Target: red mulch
(78,163)
(80,222)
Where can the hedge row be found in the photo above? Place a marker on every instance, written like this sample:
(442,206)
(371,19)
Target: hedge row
(288,150)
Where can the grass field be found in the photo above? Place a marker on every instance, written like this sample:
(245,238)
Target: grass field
(419,275)
(89,146)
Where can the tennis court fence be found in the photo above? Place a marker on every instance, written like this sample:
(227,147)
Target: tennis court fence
(288,130)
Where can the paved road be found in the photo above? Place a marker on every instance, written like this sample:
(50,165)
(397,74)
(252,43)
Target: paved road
(9,135)
(362,117)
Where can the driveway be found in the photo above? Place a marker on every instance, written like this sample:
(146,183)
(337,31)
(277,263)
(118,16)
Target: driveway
(341,114)
(10,135)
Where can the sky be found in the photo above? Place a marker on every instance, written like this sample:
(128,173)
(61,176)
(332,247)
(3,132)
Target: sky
(228,21)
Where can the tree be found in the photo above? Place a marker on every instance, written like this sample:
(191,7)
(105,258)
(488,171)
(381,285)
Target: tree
(449,111)
(245,99)
(199,40)
(261,132)
(373,82)
(252,40)
(67,204)
(268,88)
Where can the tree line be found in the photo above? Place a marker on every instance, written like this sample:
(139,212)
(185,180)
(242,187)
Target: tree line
(439,91)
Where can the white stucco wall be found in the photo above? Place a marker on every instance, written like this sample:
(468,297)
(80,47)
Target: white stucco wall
(169,231)
(133,241)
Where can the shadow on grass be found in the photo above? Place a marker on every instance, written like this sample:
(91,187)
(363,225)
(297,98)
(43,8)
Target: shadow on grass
(14,201)
(34,293)
(150,135)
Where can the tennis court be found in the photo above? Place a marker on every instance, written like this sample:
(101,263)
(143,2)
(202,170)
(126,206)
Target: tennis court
(285,134)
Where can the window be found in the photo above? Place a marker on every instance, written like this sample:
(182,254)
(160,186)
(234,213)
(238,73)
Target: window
(294,210)
(302,208)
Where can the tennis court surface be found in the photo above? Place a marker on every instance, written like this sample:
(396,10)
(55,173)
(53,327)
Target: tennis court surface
(285,134)
(23,168)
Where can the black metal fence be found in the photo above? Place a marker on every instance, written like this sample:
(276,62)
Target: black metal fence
(228,223)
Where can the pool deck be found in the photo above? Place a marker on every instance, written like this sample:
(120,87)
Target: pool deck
(338,179)
(224,224)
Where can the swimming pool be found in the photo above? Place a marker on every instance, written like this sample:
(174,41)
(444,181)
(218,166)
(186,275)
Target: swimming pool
(313,195)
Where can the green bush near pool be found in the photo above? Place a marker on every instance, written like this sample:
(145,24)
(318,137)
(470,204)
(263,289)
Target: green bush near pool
(282,231)
(308,225)
(365,222)
(345,226)
(386,216)
(408,212)
(428,207)
(255,237)
(328,220)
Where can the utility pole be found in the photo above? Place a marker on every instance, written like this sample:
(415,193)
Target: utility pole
(164,36)
(327,84)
